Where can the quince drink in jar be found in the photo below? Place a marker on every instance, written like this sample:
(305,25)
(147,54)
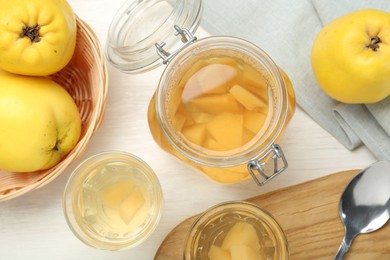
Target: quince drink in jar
(221,103)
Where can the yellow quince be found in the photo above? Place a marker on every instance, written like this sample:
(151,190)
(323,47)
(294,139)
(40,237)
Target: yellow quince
(37,37)
(351,57)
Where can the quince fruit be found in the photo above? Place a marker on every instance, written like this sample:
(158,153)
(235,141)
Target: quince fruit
(39,123)
(351,57)
(37,37)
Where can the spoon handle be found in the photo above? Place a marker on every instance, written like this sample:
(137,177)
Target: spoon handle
(343,249)
(345,244)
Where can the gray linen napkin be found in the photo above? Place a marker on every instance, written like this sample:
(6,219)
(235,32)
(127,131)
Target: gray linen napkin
(286,31)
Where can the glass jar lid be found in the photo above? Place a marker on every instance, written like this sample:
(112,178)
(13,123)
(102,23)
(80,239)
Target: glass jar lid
(140,24)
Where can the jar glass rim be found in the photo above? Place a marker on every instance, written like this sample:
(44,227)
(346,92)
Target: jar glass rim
(278,117)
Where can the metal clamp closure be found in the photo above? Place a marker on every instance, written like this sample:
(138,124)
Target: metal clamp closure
(186,37)
(258,165)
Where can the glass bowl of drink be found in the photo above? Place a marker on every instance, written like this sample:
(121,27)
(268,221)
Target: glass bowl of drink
(113,200)
(236,230)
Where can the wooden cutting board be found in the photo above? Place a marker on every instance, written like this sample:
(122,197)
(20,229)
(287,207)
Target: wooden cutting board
(308,214)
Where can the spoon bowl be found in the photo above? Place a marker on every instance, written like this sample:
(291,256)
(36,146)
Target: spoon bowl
(365,203)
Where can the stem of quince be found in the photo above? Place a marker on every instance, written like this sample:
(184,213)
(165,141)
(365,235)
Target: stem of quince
(374,44)
(32,33)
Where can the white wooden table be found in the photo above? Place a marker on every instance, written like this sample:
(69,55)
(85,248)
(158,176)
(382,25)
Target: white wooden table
(33,226)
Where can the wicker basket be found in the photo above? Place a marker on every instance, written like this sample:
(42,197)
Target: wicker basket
(85,78)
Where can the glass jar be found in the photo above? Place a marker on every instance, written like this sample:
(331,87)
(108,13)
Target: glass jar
(236,100)
(112,200)
(238,228)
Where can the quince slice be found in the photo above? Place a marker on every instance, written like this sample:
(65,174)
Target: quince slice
(246,98)
(201,117)
(217,253)
(211,79)
(113,195)
(188,77)
(226,129)
(189,121)
(216,104)
(252,77)
(131,205)
(260,92)
(253,121)
(241,234)
(195,134)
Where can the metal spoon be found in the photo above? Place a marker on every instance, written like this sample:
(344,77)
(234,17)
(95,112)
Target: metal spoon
(365,203)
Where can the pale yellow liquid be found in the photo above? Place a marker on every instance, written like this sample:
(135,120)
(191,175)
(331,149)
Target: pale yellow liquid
(115,202)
